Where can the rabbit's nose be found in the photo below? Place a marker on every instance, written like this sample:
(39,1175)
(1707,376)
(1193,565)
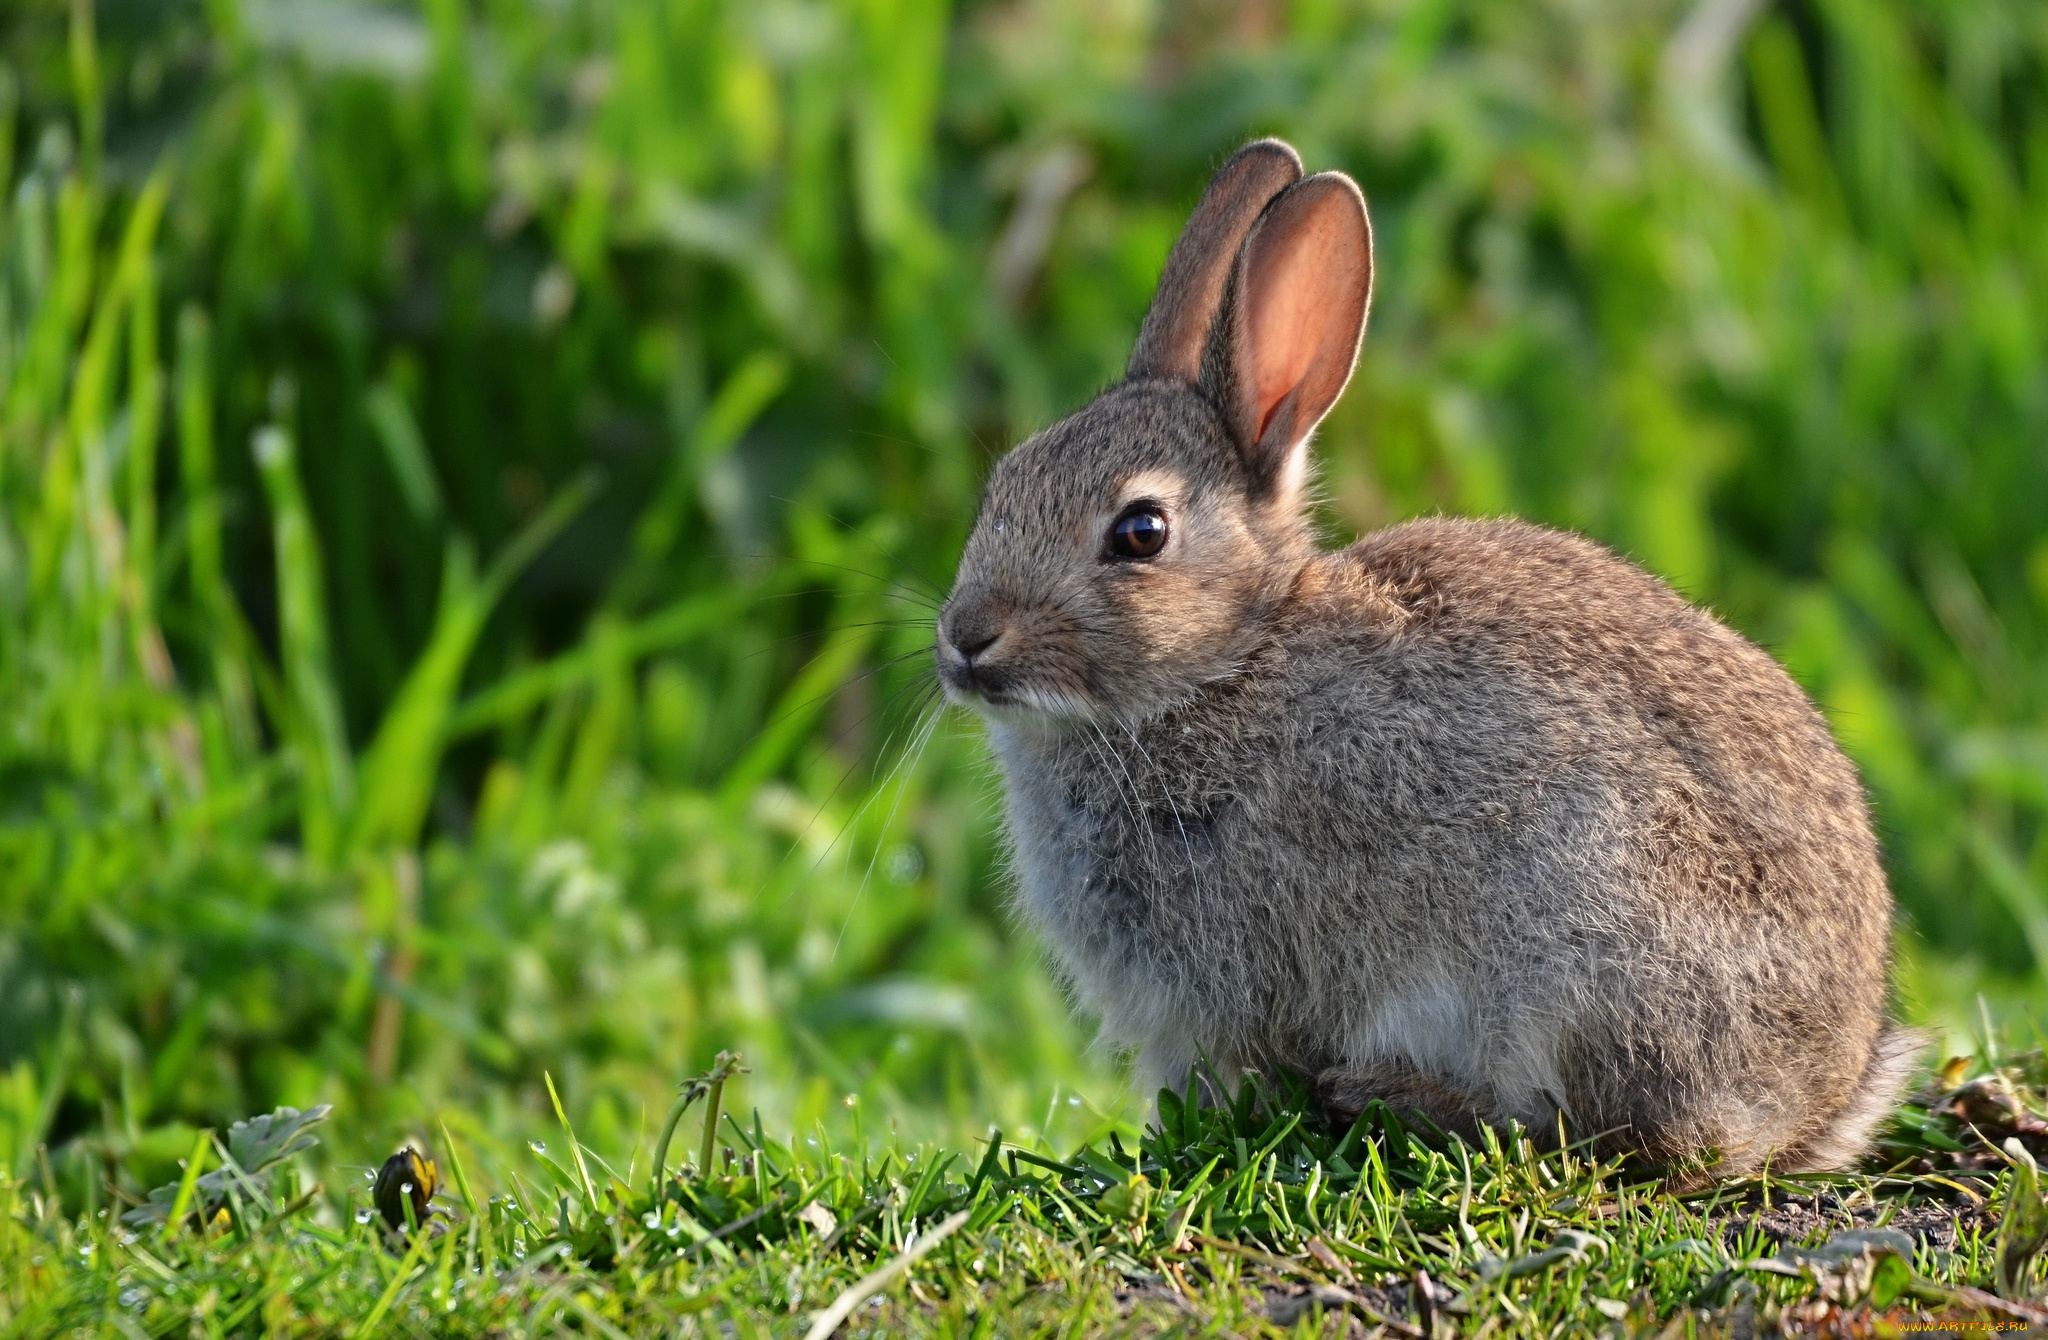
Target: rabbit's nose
(976,643)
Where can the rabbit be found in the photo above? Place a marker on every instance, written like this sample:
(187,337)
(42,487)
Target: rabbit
(1474,817)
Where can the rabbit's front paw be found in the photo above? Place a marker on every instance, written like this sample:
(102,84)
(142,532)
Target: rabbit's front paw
(1410,1091)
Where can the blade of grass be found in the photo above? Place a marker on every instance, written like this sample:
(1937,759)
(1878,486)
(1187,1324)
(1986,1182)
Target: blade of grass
(203,542)
(145,417)
(405,451)
(182,1202)
(750,389)
(399,768)
(375,1317)
(527,689)
(575,1146)
(799,707)
(320,736)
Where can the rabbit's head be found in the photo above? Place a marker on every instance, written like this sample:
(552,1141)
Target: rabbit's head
(1124,556)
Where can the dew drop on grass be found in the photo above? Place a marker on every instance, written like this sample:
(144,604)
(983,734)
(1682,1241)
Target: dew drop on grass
(652,1219)
(537,1146)
(363,1216)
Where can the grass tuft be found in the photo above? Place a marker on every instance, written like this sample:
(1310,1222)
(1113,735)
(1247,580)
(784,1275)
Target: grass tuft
(1253,1216)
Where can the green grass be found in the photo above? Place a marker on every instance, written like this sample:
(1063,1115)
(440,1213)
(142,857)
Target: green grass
(1251,1217)
(475,479)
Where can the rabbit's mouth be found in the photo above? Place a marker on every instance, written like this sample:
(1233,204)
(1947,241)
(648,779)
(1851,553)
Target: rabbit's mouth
(1014,659)
(971,679)
(1027,707)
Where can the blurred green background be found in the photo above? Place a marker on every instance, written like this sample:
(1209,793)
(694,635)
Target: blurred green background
(475,477)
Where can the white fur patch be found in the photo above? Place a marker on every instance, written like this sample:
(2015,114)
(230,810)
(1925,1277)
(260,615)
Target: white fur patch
(1166,486)
(1294,474)
(1430,1024)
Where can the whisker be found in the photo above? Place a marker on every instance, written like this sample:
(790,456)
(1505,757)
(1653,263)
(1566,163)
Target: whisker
(893,560)
(815,699)
(1137,800)
(880,708)
(830,629)
(1194,871)
(850,830)
(925,690)
(906,767)
(814,591)
(897,589)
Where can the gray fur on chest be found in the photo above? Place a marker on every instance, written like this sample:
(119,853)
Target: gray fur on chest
(1323,879)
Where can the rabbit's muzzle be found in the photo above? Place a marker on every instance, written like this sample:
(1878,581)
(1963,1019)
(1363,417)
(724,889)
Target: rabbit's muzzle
(976,650)
(998,653)
(973,669)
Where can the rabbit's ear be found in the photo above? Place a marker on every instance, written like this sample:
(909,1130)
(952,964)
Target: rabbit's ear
(1287,335)
(1191,287)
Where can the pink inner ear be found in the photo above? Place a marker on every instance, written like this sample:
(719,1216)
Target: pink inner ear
(1307,278)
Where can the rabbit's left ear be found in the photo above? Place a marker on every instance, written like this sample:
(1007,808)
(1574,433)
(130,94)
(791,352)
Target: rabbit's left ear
(1191,287)
(1287,333)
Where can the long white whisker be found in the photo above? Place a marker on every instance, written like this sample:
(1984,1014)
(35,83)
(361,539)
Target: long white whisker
(1194,871)
(848,830)
(1137,798)
(911,755)
(843,839)
(925,688)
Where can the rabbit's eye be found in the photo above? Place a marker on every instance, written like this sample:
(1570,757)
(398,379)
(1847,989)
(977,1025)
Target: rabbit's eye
(1138,533)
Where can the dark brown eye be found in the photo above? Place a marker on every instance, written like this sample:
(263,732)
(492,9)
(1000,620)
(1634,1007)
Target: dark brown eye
(1139,533)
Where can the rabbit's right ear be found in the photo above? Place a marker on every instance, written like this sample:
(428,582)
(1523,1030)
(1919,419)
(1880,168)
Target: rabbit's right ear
(1288,333)
(1176,328)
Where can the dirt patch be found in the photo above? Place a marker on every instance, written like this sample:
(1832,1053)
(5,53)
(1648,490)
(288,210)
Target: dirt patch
(1796,1220)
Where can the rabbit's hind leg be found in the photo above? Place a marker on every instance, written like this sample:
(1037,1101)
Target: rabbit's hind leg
(1409,1090)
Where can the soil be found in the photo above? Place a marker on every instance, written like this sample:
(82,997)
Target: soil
(1794,1220)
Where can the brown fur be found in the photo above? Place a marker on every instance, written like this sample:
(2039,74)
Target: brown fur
(1472,816)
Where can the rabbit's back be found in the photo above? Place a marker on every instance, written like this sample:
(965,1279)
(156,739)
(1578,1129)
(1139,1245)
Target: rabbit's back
(1491,803)
(1703,738)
